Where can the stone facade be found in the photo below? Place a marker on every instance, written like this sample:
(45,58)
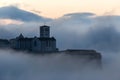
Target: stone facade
(44,43)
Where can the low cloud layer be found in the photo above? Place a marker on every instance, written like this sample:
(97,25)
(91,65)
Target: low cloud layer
(19,65)
(23,66)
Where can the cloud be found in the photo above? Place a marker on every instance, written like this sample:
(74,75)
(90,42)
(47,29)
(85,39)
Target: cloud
(101,33)
(20,65)
(24,66)
(104,37)
(87,14)
(28,29)
(91,32)
(74,31)
(12,12)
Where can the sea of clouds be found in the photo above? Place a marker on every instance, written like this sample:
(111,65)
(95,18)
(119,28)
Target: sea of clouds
(23,66)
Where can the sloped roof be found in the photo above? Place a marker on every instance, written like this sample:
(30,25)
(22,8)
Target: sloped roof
(44,26)
(21,36)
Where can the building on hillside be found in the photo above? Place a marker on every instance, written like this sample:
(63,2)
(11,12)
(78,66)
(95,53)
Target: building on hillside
(44,43)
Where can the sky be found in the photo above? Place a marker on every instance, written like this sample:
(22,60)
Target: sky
(57,8)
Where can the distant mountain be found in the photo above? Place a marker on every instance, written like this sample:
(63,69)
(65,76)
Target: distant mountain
(12,12)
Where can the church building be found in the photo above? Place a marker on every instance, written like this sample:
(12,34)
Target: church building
(43,43)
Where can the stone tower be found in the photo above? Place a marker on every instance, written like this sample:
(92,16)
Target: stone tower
(44,31)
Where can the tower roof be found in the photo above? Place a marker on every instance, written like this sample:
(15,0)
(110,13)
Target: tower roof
(21,36)
(44,26)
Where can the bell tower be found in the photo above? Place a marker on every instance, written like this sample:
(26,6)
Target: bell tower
(44,31)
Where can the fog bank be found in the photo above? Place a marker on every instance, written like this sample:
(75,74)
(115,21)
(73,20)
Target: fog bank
(23,66)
